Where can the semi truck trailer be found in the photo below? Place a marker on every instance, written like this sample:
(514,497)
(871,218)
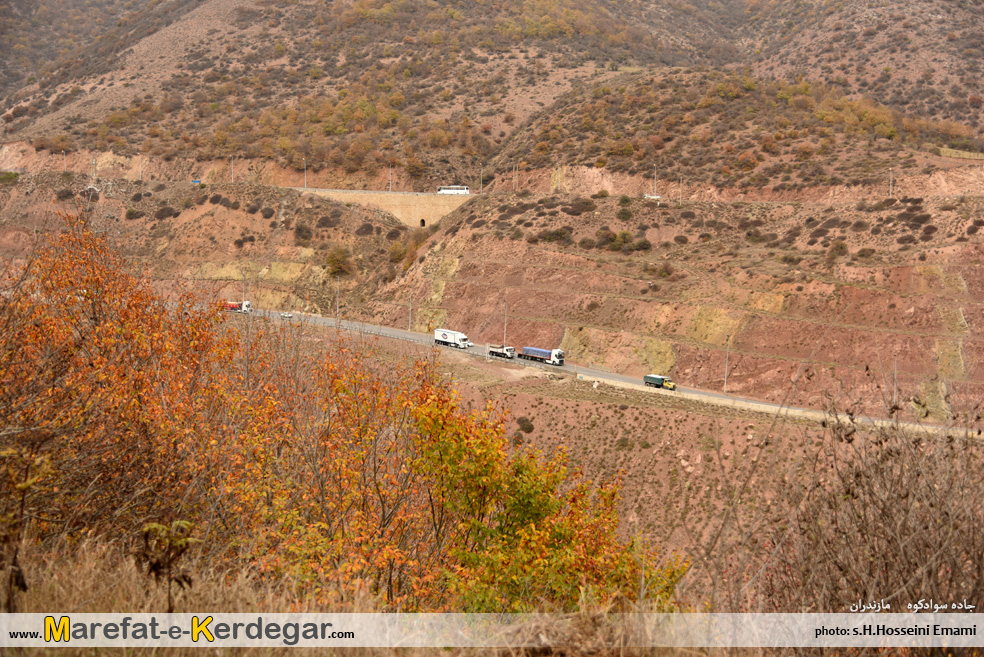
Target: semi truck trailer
(548,356)
(238,306)
(452,339)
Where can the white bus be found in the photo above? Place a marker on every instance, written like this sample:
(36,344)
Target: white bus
(453,189)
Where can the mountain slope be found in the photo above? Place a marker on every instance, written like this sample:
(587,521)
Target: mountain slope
(922,58)
(461,92)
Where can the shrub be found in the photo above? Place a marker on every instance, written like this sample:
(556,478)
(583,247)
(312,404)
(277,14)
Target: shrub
(364,229)
(133,213)
(165,212)
(556,235)
(681,239)
(623,214)
(338,262)
(397,252)
(588,243)
(266,213)
(580,206)
(602,193)
(64,194)
(837,249)
(302,234)
(253,208)
(642,245)
(525,425)
(216,199)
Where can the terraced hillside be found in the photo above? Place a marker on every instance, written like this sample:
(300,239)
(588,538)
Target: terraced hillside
(816,303)
(820,303)
(279,248)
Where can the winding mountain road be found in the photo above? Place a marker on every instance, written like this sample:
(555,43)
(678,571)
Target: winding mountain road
(620,380)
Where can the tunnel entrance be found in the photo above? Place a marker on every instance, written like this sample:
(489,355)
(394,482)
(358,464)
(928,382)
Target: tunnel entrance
(423,224)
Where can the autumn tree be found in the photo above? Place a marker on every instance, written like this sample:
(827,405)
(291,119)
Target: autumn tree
(324,466)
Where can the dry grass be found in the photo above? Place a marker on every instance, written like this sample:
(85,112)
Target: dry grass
(102,578)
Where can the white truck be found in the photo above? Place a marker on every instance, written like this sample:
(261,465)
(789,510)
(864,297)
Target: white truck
(452,339)
(502,351)
(238,306)
(548,356)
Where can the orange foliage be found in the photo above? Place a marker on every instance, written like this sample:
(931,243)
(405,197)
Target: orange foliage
(321,465)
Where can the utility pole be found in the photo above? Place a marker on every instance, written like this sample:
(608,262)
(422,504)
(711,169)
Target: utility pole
(244,285)
(410,314)
(895,380)
(305,173)
(890,182)
(336,300)
(93,168)
(505,322)
(140,177)
(727,364)
(654,180)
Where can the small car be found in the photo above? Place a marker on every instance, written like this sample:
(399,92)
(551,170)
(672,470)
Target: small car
(286,315)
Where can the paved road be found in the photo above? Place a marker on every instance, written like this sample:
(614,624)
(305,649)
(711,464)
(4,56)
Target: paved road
(706,396)
(571,368)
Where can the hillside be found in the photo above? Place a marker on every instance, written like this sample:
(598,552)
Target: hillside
(922,59)
(727,131)
(765,200)
(815,299)
(448,92)
(824,293)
